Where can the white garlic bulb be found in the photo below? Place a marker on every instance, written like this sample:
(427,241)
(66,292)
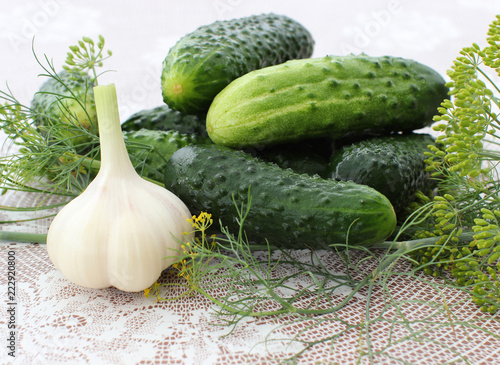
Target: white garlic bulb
(122,231)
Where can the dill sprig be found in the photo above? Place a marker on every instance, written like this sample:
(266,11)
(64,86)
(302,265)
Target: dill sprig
(465,162)
(55,155)
(85,57)
(251,286)
(301,292)
(470,119)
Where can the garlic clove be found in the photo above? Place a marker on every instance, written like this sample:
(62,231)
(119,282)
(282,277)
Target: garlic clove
(122,231)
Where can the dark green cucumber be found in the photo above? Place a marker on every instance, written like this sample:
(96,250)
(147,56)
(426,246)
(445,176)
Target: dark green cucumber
(165,118)
(66,100)
(203,62)
(150,150)
(288,209)
(310,157)
(394,165)
(325,97)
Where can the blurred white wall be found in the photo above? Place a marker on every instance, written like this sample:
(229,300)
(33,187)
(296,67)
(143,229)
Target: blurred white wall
(140,33)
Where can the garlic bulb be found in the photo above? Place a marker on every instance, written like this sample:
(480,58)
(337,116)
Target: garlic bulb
(122,231)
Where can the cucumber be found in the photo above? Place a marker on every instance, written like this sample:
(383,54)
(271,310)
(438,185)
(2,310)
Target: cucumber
(288,209)
(67,100)
(310,157)
(393,165)
(325,97)
(165,118)
(300,161)
(203,62)
(149,150)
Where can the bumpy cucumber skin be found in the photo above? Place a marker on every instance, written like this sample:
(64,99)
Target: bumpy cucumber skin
(49,111)
(165,143)
(165,118)
(203,62)
(325,97)
(298,161)
(393,165)
(288,209)
(309,157)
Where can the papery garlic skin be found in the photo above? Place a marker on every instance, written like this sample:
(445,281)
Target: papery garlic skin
(122,231)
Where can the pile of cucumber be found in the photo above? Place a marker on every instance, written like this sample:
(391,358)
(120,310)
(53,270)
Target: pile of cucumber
(326,146)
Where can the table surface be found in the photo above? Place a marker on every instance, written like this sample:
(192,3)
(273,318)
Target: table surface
(59,322)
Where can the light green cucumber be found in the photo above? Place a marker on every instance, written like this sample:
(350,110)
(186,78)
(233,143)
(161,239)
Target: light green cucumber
(325,97)
(67,101)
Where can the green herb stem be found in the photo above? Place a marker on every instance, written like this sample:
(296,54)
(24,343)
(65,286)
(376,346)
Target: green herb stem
(23,237)
(409,245)
(492,83)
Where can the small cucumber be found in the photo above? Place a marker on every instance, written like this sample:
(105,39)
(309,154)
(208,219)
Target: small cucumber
(203,62)
(325,97)
(67,100)
(288,209)
(393,165)
(165,118)
(309,157)
(149,150)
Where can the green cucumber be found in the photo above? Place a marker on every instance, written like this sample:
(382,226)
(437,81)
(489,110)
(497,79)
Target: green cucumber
(393,165)
(325,97)
(310,157)
(288,209)
(149,150)
(203,62)
(165,118)
(67,100)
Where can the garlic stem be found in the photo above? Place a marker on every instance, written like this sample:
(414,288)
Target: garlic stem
(114,155)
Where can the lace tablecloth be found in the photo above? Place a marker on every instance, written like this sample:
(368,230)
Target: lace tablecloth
(57,322)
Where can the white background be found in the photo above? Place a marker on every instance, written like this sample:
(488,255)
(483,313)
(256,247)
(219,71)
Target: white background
(140,33)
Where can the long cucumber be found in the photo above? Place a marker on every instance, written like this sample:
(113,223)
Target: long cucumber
(287,208)
(325,97)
